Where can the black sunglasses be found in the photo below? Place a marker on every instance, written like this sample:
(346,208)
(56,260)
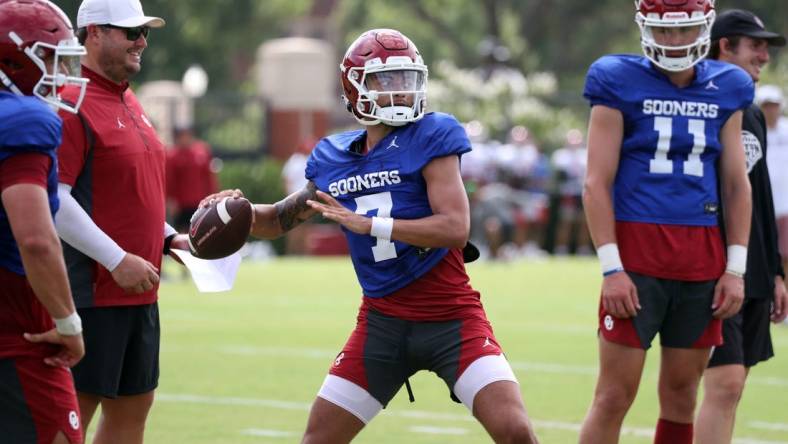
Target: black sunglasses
(132,34)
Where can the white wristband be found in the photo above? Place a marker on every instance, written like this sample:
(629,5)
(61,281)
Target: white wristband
(71,325)
(737,260)
(382,227)
(609,258)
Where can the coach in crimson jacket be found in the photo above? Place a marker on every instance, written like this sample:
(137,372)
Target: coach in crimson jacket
(111,174)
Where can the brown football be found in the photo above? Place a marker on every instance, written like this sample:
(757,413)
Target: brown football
(220,229)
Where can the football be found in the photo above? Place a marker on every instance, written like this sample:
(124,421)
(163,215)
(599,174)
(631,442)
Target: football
(220,229)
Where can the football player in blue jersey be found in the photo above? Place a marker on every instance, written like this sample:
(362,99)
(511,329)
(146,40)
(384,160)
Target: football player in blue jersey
(740,37)
(663,130)
(40,330)
(395,188)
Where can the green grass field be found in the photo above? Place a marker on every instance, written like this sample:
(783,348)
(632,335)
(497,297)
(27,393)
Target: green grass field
(244,366)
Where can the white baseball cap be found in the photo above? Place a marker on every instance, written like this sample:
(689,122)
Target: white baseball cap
(769,94)
(122,13)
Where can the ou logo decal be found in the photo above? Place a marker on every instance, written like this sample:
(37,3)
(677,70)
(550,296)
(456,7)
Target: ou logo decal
(339,358)
(73,420)
(608,322)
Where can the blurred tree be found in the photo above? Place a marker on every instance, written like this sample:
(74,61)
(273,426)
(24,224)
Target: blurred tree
(220,35)
(559,36)
(537,39)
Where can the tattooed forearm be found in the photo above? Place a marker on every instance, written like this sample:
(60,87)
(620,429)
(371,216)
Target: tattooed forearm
(293,209)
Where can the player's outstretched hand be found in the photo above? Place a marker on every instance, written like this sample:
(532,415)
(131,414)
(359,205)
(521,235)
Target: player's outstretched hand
(135,275)
(207,200)
(728,296)
(71,351)
(620,296)
(780,303)
(333,210)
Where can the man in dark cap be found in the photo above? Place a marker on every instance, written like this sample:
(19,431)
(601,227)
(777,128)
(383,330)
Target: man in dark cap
(740,37)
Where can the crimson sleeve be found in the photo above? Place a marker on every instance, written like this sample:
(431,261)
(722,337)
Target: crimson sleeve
(30,168)
(73,150)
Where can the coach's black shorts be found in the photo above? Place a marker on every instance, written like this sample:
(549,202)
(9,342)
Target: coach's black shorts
(746,336)
(121,351)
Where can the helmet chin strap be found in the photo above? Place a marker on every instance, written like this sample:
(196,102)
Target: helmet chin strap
(9,84)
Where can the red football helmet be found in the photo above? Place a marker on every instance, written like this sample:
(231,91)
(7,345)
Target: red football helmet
(383,64)
(675,14)
(39,54)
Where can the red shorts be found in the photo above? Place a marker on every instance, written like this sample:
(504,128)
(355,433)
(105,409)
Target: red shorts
(383,351)
(36,402)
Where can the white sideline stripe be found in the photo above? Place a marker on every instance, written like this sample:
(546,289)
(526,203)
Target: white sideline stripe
(419,414)
(541,367)
(268,433)
(221,400)
(431,430)
(554,368)
(755,441)
(779,426)
(250,350)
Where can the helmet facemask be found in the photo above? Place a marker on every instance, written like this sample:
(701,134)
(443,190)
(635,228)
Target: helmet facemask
(64,70)
(661,55)
(399,84)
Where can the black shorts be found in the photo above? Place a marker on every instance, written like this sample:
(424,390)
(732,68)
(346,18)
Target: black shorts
(680,311)
(746,336)
(121,351)
(383,351)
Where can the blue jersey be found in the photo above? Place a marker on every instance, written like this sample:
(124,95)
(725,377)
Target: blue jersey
(26,125)
(667,172)
(386,182)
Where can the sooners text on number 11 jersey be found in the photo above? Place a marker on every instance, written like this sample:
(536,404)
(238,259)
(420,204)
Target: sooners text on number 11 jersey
(667,170)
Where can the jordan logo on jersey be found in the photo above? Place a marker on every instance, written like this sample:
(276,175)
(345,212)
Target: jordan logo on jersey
(393,143)
(711,85)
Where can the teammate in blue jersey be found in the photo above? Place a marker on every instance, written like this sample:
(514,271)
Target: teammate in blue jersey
(40,331)
(664,129)
(395,187)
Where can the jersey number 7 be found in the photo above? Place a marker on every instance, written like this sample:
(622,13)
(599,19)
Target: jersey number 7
(384,249)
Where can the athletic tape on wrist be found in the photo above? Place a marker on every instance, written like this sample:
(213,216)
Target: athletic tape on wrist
(70,325)
(382,227)
(737,260)
(609,259)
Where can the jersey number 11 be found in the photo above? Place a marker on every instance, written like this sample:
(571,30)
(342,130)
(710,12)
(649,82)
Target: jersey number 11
(693,166)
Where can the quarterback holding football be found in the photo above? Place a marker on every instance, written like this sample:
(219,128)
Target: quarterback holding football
(395,188)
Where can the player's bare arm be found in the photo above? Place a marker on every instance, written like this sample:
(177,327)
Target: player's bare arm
(447,227)
(780,303)
(737,204)
(27,206)
(273,220)
(735,186)
(605,133)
